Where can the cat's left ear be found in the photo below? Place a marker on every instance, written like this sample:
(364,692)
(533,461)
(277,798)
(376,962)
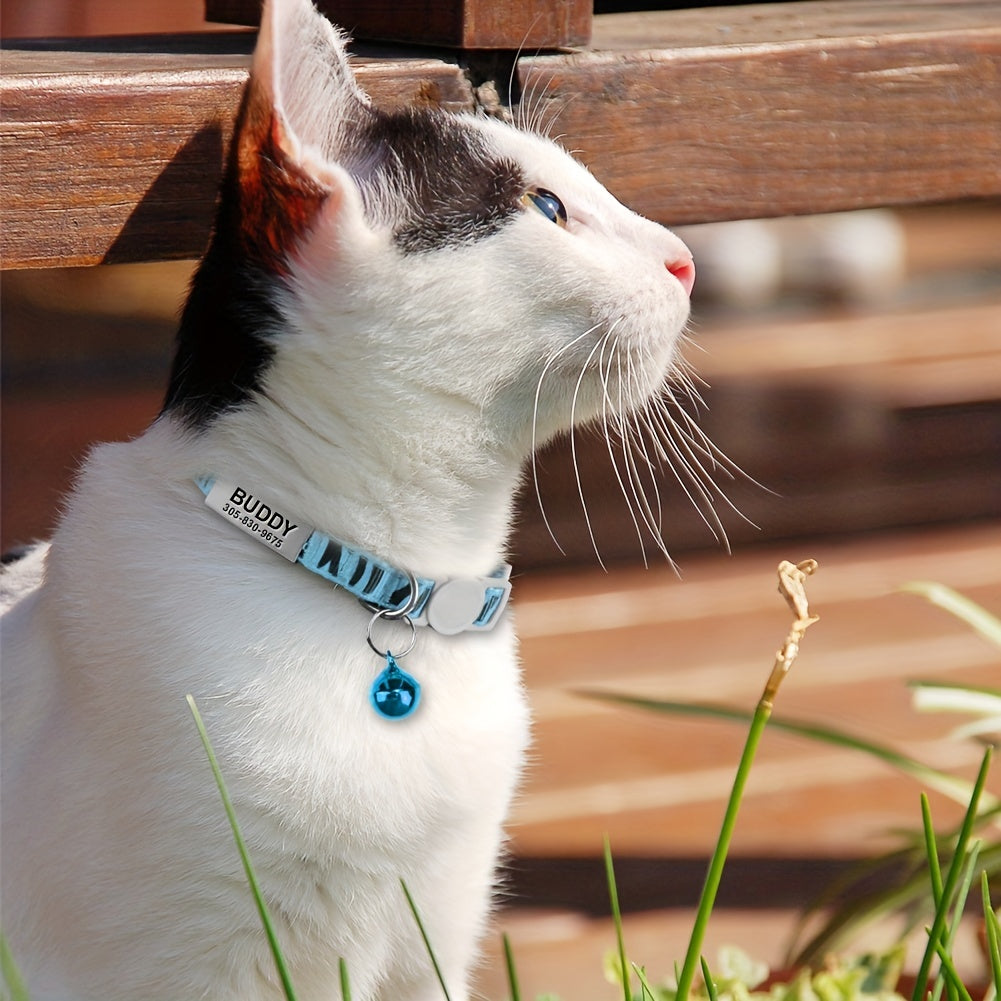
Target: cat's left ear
(301,107)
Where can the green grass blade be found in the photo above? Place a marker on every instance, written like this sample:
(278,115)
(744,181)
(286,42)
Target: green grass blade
(955,788)
(848,904)
(646,988)
(708,978)
(935,877)
(613,897)
(946,696)
(989,626)
(345,983)
(262,909)
(951,974)
(931,850)
(11,974)
(958,906)
(791,580)
(980,703)
(512,972)
(951,879)
(993,930)
(845,923)
(710,887)
(427,941)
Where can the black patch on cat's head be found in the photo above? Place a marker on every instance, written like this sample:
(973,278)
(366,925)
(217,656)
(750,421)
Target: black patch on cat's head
(451,188)
(223,345)
(448,189)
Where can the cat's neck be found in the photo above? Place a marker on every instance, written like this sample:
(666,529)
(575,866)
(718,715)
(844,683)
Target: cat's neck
(429,493)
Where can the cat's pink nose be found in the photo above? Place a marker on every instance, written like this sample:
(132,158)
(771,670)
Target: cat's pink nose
(683,268)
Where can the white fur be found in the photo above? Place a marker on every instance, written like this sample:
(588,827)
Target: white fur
(396,415)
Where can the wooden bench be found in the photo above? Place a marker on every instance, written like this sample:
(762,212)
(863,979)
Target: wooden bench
(112,148)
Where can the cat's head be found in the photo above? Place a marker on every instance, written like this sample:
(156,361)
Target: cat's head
(420,256)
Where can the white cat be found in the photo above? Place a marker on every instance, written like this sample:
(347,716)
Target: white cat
(393,310)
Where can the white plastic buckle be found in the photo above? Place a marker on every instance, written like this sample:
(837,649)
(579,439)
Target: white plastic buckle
(459,605)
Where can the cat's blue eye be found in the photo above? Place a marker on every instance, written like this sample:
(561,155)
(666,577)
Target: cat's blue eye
(547,203)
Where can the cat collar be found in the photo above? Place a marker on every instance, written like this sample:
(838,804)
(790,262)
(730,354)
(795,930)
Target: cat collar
(454,605)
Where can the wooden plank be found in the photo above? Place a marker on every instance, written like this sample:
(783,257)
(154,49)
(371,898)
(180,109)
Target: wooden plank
(464,24)
(899,358)
(783,109)
(757,24)
(102,17)
(657,785)
(114,153)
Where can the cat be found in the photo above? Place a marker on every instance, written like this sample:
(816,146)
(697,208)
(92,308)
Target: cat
(394,309)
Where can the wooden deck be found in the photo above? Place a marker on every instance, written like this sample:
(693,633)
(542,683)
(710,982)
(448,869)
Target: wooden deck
(657,785)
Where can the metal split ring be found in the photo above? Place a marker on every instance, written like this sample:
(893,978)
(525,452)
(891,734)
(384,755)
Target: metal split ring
(406,608)
(392,616)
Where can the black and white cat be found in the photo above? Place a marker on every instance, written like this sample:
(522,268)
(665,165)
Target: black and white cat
(394,309)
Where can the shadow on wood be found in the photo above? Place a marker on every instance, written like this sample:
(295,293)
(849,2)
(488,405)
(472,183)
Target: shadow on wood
(177,200)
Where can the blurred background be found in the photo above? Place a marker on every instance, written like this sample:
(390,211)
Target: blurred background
(852,367)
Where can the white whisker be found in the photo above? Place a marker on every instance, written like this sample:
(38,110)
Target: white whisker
(644,432)
(557,109)
(531,109)
(636,497)
(699,440)
(573,442)
(606,402)
(685,451)
(632,438)
(550,361)
(516,62)
(691,476)
(644,441)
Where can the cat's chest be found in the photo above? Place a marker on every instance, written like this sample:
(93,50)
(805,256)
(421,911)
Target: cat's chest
(279,662)
(317,761)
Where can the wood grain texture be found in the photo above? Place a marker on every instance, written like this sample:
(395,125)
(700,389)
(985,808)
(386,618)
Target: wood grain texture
(116,156)
(464,24)
(657,785)
(767,110)
(113,151)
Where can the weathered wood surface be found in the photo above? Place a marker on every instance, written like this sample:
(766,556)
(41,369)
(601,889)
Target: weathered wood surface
(687,115)
(464,24)
(766,110)
(116,155)
(657,785)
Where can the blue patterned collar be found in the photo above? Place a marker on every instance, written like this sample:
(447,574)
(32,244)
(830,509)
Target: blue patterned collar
(450,606)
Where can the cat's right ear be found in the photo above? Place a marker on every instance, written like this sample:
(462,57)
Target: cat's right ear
(300,110)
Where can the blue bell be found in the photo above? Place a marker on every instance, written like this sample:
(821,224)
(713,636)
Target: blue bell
(395,694)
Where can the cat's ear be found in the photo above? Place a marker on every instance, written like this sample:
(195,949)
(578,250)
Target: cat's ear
(301,106)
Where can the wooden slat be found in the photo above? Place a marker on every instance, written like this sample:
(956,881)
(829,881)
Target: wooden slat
(906,358)
(786,108)
(658,785)
(116,155)
(464,24)
(782,109)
